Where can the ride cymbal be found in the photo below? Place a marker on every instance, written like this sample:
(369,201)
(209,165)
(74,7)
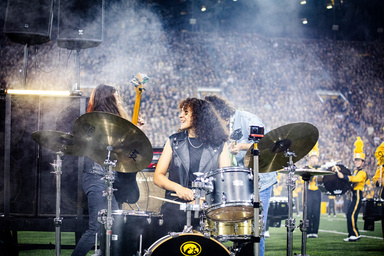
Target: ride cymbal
(57,142)
(299,138)
(130,146)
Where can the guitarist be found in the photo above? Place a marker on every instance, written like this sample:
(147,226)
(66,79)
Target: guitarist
(358,179)
(104,98)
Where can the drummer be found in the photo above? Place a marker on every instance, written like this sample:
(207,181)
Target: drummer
(197,147)
(378,178)
(104,98)
(243,120)
(314,195)
(358,179)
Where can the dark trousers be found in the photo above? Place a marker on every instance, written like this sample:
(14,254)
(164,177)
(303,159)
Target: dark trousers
(352,213)
(313,211)
(331,207)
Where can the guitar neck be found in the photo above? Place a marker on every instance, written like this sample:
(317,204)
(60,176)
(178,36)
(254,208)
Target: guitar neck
(135,116)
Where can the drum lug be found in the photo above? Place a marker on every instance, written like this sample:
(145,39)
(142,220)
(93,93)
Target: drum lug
(250,176)
(149,220)
(224,198)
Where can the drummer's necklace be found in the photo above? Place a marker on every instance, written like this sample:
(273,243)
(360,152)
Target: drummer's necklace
(193,145)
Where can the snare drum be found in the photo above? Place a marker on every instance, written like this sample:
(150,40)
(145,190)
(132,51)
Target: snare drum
(224,231)
(232,195)
(132,231)
(187,244)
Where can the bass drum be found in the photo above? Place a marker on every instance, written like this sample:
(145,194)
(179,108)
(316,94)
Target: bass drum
(332,185)
(132,231)
(187,244)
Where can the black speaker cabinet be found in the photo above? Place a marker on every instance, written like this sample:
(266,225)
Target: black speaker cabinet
(27,184)
(29,21)
(80,23)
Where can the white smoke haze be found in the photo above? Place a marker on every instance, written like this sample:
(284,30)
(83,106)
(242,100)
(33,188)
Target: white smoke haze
(265,73)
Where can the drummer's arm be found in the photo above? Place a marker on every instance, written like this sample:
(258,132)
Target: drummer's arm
(224,160)
(236,148)
(160,179)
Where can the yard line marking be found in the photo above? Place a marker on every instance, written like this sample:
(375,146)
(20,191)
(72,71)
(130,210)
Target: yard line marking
(346,234)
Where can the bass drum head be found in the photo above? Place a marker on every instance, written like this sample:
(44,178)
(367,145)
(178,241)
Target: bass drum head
(337,186)
(187,244)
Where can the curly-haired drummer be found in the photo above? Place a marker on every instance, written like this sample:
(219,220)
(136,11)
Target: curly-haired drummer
(198,147)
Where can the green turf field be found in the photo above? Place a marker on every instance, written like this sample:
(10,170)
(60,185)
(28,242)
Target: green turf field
(330,240)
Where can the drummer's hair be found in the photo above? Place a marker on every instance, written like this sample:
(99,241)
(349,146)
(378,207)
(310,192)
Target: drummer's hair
(222,105)
(209,127)
(103,99)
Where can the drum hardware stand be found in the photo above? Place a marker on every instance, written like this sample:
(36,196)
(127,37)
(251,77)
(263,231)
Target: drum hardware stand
(200,187)
(304,223)
(256,133)
(57,164)
(290,222)
(110,178)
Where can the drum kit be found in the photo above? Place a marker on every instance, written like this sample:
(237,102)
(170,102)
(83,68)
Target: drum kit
(231,206)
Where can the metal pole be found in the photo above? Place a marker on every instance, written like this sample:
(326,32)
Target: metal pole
(58,220)
(290,222)
(256,203)
(304,224)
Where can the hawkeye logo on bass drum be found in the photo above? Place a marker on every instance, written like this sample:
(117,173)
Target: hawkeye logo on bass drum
(190,248)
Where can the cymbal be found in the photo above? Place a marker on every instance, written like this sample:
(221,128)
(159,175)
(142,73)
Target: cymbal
(299,138)
(311,172)
(57,141)
(131,148)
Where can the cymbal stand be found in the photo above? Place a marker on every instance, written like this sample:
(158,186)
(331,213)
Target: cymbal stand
(290,222)
(110,178)
(200,187)
(304,223)
(57,164)
(256,133)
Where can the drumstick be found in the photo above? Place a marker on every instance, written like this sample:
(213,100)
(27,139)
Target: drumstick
(166,200)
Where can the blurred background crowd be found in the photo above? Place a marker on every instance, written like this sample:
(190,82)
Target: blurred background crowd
(335,85)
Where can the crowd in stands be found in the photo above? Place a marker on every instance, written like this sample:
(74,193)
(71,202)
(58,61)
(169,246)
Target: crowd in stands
(277,79)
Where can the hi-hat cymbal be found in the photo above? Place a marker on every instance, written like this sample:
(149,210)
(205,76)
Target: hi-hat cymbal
(299,138)
(57,142)
(130,147)
(310,172)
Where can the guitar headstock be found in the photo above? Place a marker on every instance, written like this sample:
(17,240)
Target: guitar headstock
(139,82)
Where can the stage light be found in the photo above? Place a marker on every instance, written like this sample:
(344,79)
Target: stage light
(38,92)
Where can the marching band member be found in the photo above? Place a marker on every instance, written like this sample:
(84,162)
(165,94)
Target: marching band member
(198,147)
(378,178)
(314,195)
(243,120)
(358,179)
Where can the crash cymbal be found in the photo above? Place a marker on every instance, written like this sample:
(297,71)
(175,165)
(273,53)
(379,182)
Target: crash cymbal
(130,147)
(57,141)
(311,172)
(299,138)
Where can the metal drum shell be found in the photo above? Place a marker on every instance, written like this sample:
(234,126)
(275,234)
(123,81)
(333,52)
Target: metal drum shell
(232,195)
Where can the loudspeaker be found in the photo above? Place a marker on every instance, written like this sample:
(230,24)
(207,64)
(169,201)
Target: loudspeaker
(27,173)
(29,21)
(80,23)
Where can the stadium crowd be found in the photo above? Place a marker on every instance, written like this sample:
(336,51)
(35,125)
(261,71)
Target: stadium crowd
(281,80)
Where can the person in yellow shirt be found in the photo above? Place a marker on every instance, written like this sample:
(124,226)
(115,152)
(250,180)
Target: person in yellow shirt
(377,180)
(314,196)
(358,179)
